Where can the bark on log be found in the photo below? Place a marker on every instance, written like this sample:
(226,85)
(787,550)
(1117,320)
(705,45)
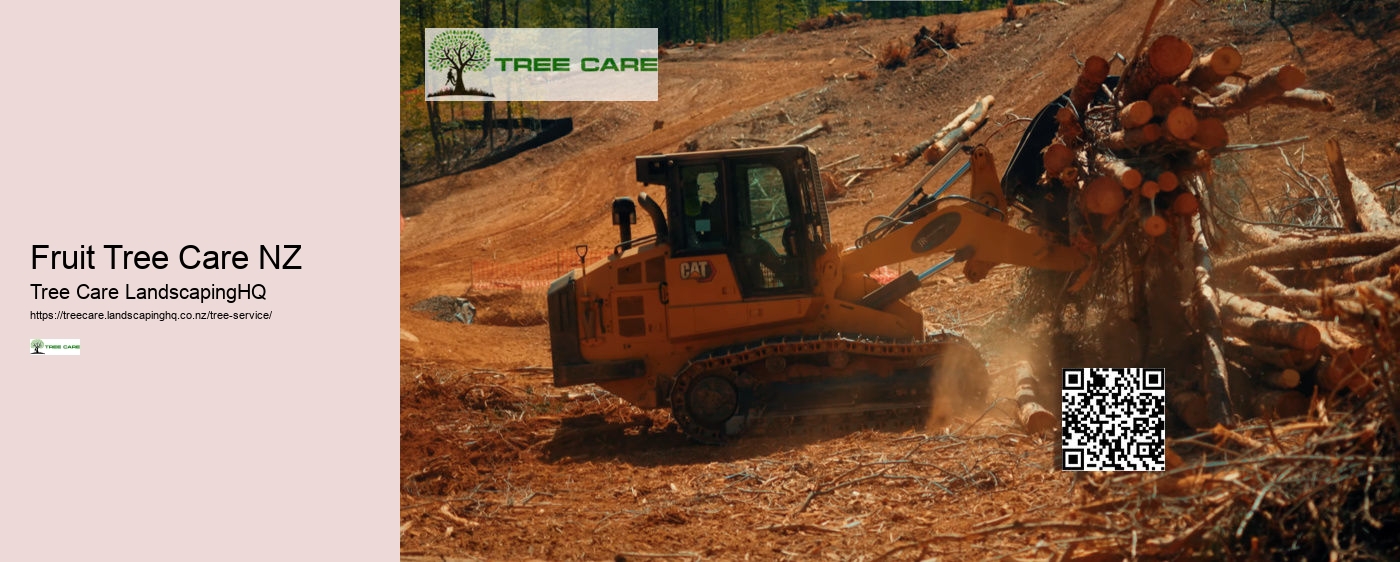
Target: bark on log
(1214,381)
(1091,78)
(1190,407)
(1135,114)
(1375,266)
(1070,132)
(1264,236)
(1034,417)
(1278,404)
(1164,98)
(1297,335)
(1129,177)
(1360,209)
(1306,99)
(1343,371)
(1274,292)
(1311,100)
(1166,58)
(1343,245)
(1130,139)
(1258,91)
(908,156)
(1211,134)
(809,133)
(1317,274)
(1259,357)
(962,132)
(1212,69)
(1335,343)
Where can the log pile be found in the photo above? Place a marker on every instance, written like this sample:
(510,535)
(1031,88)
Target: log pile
(1273,326)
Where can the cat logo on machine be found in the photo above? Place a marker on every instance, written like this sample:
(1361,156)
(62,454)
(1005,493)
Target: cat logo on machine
(700,271)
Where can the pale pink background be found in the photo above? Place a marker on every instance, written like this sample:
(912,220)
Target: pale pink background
(225,125)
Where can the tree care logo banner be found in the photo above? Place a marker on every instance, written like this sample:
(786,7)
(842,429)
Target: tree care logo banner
(501,64)
(50,346)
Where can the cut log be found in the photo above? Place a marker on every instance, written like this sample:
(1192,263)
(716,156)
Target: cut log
(1343,245)
(1334,341)
(1375,266)
(1190,407)
(1258,91)
(1279,404)
(1317,274)
(908,156)
(1274,292)
(1149,189)
(1154,226)
(1135,114)
(809,133)
(1091,78)
(1070,132)
(1212,69)
(1034,417)
(1167,181)
(1181,123)
(1265,236)
(962,132)
(1260,357)
(1297,335)
(1360,209)
(1103,196)
(1057,157)
(1283,379)
(1130,139)
(1129,177)
(1164,98)
(1342,371)
(1166,58)
(1206,302)
(1306,99)
(1185,204)
(1211,134)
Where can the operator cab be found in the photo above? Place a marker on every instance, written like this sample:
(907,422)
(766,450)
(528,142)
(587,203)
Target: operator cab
(761,207)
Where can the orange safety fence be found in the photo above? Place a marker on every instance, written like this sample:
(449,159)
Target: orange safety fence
(531,274)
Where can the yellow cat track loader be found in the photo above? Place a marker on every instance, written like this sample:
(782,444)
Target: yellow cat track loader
(739,307)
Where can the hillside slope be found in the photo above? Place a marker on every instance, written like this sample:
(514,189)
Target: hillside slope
(481,421)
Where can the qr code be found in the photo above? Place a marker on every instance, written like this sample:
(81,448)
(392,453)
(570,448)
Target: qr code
(1114,419)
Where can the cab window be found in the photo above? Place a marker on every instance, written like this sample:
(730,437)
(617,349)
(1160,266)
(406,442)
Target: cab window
(702,214)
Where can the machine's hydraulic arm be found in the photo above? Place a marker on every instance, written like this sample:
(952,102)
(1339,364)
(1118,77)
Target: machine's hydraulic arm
(974,228)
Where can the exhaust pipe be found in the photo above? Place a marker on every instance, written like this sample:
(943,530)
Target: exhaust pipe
(624,215)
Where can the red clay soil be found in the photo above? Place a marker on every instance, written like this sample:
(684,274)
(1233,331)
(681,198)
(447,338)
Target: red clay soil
(499,465)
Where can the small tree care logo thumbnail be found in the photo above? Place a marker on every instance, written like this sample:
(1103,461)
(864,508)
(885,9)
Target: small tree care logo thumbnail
(54,347)
(456,52)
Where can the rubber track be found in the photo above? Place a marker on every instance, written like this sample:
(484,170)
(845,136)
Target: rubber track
(731,357)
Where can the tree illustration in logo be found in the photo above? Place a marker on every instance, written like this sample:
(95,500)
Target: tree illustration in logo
(458,51)
(36,344)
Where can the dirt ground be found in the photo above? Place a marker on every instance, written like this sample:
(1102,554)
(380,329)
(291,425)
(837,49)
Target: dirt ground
(499,465)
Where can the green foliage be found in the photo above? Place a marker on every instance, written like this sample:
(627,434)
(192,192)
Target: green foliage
(414,17)
(462,49)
